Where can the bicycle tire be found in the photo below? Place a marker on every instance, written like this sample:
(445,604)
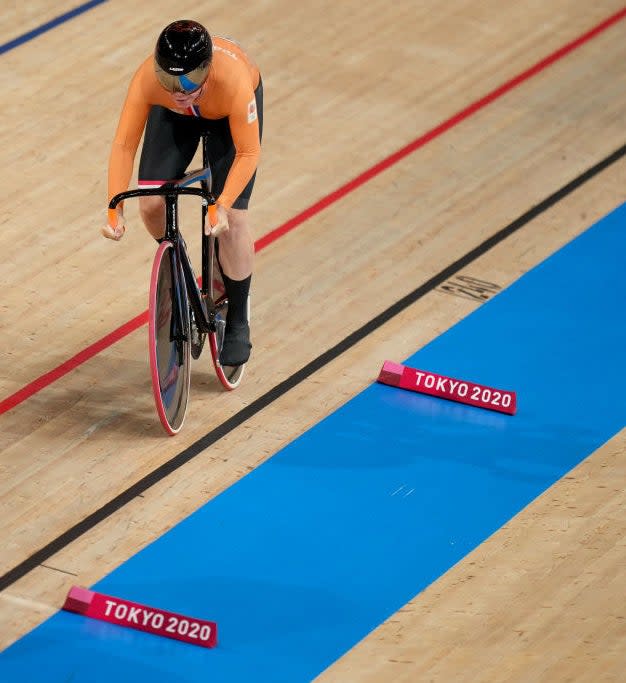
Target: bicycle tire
(169,347)
(229,376)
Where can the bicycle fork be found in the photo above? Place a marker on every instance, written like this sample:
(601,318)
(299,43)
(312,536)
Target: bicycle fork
(179,325)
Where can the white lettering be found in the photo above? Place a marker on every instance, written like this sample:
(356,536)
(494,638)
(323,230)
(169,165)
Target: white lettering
(217,48)
(146,616)
(157,618)
(432,382)
(110,605)
(453,385)
(419,378)
(121,611)
(463,389)
(133,614)
(441,384)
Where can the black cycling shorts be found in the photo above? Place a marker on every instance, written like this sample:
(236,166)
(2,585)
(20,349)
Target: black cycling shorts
(171,141)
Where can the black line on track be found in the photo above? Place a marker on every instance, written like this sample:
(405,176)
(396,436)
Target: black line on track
(43,554)
(56,569)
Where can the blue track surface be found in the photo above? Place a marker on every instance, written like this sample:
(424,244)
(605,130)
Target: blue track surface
(308,553)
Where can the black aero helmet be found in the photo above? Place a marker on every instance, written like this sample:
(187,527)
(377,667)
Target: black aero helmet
(182,56)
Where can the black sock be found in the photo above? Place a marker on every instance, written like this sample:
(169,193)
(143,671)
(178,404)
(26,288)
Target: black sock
(237,292)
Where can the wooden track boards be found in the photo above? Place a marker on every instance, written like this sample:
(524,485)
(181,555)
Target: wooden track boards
(373,79)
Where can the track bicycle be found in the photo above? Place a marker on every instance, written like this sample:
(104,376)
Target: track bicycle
(181,314)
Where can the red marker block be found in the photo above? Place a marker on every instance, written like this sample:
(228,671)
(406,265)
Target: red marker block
(461,391)
(133,615)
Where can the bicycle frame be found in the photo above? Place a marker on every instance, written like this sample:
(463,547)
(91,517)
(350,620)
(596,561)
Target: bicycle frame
(204,320)
(183,313)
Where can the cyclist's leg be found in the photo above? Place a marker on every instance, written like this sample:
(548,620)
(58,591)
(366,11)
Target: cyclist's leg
(236,253)
(236,247)
(170,142)
(236,257)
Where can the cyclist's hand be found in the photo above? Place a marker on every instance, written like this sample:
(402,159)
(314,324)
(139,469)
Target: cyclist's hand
(115,233)
(220,223)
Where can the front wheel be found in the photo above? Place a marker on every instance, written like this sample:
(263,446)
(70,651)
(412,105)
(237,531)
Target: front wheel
(169,340)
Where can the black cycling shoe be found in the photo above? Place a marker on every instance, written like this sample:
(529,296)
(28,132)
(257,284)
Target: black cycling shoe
(236,347)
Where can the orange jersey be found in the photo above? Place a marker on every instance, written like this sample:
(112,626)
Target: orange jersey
(228,92)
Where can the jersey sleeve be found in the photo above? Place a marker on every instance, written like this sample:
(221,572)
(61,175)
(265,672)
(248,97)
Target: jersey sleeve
(129,130)
(244,128)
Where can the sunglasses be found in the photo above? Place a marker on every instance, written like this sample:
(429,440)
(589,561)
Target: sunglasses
(186,86)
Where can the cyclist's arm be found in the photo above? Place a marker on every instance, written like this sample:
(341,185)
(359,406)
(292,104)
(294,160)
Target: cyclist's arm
(129,130)
(244,128)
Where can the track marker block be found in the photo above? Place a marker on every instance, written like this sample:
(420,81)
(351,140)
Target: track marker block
(140,617)
(459,390)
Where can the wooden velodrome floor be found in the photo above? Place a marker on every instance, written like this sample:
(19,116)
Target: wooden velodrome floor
(346,85)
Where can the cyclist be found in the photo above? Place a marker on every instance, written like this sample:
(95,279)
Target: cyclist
(191,84)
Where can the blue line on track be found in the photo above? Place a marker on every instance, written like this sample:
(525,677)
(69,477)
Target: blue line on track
(307,554)
(24,38)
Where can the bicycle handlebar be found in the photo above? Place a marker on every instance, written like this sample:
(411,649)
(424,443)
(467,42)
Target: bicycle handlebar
(174,188)
(164,190)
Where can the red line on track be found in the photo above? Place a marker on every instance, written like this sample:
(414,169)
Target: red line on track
(89,352)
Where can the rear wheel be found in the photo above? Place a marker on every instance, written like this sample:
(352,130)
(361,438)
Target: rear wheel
(229,376)
(169,340)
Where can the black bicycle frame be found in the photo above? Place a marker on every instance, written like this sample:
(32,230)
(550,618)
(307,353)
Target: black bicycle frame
(205,321)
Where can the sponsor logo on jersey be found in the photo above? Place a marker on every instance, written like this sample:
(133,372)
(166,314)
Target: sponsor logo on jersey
(252,111)
(230,53)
